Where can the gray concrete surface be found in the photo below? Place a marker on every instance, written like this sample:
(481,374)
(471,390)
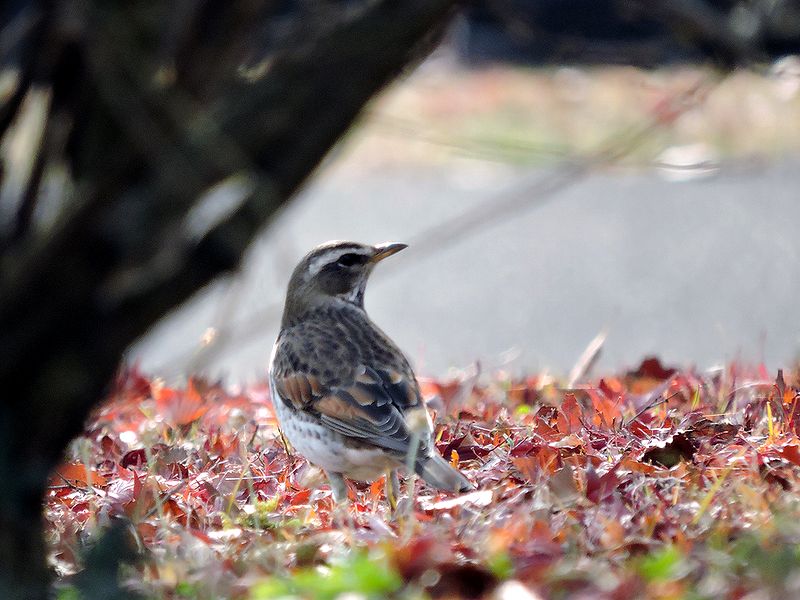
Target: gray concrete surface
(697,272)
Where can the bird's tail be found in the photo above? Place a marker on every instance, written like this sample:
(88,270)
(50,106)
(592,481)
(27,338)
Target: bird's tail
(438,473)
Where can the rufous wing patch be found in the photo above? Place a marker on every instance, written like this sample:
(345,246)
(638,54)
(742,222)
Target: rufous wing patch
(298,390)
(362,394)
(313,382)
(393,376)
(367,377)
(304,387)
(340,409)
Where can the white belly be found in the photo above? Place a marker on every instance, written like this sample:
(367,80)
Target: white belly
(327,449)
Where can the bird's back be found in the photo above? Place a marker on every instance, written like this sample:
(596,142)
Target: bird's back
(339,370)
(332,343)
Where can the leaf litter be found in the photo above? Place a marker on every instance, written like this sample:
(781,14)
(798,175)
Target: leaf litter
(657,483)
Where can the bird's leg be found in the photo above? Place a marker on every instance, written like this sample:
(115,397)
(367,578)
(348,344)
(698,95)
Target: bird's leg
(392,489)
(338,486)
(341,515)
(405,510)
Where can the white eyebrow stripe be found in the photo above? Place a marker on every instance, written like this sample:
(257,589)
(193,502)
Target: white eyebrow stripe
(330,256)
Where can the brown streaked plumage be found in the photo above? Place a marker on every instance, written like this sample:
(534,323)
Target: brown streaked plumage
(345,395)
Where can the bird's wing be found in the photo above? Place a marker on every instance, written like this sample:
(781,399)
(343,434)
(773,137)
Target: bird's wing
(380,407)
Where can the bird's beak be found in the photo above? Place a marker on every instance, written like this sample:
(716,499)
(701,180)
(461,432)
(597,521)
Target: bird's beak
(385,250)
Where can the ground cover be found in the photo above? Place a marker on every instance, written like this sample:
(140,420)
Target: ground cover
(656,482)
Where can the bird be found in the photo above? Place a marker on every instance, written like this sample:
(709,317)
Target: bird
(345,396)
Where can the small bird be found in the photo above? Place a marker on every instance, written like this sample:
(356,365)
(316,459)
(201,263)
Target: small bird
(344,394)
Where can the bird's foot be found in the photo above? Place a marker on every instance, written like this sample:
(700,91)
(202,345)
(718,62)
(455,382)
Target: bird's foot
(403,514)
(341,518)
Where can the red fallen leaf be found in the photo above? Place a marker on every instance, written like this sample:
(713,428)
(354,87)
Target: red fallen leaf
(222,445)
(120,495)
(300,497)
(520,394)
(131,383)
(543,430)
(453,443)
(138,498)
(568,441)
(580,461)
(202,536)
(637,466)
(81,510)
(547,457)
(537,466)
(59,491)
(524,448)
(776,477)
(791,453)
(221,407)
(651,379)
(76,474)
(600,488)
(376,488)
(444,389)
(608,409)
(466,446)
(611,387)
(203,491)
(793,412)
(640,430)
(473,451)
(424,517)
(533,560)
(172,509)
(752,413)
(529,467)
(134,458)
(420,554)
(174,470)
(110,447)
(652,368)
(180,407)
(713,433)
(546,413)
(569,415)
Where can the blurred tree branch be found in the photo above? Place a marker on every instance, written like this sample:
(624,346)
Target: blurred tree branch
(706,27)
(647,33)
(149,105)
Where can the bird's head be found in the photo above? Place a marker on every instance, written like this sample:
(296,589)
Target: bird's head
(335,270)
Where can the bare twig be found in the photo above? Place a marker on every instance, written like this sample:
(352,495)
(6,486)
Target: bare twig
(587,359)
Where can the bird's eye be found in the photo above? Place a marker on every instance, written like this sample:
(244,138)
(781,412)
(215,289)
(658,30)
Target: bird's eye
(348,260)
